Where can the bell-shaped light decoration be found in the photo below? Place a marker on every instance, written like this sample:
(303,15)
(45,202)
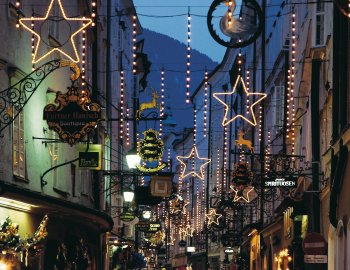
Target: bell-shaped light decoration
(238,27)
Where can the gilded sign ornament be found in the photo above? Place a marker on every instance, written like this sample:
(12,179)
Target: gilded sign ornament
(150,149)
(148,105)
(74,116)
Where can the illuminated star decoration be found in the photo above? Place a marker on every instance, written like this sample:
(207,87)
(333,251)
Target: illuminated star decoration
(225,120)
(241,194)
(186,231)
(213,217)
(188,167)
(85,23)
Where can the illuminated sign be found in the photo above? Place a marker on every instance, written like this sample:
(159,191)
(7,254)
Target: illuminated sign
(280,182)
(127,216)
(148,227)
(90,159)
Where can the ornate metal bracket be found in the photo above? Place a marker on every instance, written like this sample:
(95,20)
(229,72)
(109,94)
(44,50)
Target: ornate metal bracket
(14,98)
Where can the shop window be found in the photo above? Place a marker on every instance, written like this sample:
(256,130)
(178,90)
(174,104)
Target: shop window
(287,222)
(18,141)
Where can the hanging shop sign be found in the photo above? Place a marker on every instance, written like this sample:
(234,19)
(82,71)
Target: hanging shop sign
(161,186)
(74,116)
(150,149)
(127,216)
(90,156)
(280,182)
(148,227)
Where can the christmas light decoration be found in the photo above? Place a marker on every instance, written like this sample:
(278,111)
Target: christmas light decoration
(161,104)
(260,122)
(194,125)
(248,85)
(213,217)
(169,160)
(242,193)
(33,44)
(205,103)
(193,154)
(226,121)
(121,122)
(93,12)
(225,153)
(291,98)
(218,185)
(188,230)
(188,64)
(127,127)
(83,57)
(86,22)
(134,21)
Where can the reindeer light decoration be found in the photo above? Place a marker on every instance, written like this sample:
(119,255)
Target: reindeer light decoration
(243,141)
(148,105)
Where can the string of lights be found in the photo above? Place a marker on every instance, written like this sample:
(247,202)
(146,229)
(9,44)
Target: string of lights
(188,64)
(134,32)
(127,127)
(33,44)
(162,103)
(205,103)
(83,56)
(121,122)
(293,78)
(218,185)
(93,12)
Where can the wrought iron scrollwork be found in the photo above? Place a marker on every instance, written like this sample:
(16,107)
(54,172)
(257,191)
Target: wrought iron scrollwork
(151,116)
(14,98)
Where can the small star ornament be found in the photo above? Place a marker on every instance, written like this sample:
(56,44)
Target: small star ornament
(242,194)
(250,110)
(212,217)
(192,159)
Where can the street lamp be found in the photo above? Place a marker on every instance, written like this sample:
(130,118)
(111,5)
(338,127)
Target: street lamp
(146,214)
(128,195)
(132,158)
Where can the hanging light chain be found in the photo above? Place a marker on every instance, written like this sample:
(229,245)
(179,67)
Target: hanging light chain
(161,103)
(134,32)
(93,12)
(121,127)
(205,103)
(188,64)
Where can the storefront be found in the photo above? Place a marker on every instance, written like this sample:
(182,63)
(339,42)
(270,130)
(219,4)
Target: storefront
(75,234)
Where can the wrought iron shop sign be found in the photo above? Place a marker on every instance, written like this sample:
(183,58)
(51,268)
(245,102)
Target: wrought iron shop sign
(74,116)
(127,216)
(90,156)
(280,182)
(150,149)
(148,227)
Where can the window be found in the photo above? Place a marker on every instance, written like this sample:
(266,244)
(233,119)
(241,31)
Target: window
(319,24)
(54,22)
(18,156)
(278,104)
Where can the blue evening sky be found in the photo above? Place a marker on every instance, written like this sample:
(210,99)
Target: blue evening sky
(176,27)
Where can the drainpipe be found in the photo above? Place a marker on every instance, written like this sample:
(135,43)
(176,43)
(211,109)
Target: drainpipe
(315,137)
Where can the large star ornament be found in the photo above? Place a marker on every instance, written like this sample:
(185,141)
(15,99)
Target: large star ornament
(189,169)
(84,21)
(221,98)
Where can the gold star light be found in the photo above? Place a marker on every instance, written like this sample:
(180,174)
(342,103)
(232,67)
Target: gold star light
(225,120)
(189,168)
(85,23)
(213,217)
(242,194)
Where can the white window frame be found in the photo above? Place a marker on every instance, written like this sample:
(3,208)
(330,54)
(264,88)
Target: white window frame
(319,13)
